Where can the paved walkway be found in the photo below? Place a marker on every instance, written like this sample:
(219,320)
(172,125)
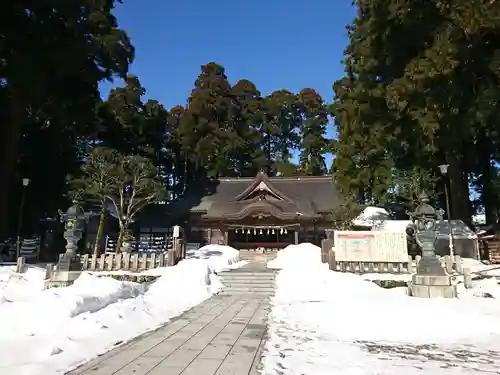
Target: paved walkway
(222,336)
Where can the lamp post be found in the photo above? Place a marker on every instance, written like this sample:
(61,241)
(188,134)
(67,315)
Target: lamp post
(25,182)
(444,172)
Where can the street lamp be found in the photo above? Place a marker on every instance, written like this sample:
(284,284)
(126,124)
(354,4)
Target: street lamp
(25,182)
(444,171)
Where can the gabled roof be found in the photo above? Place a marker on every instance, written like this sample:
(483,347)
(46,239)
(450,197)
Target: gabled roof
(261,183)
(283,197)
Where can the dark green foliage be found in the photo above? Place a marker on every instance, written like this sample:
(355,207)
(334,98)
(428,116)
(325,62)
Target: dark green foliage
(53,56)
(313,133)
(343,215)
(421,89)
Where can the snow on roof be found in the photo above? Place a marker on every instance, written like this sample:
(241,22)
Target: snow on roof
(370,216)
(460,230)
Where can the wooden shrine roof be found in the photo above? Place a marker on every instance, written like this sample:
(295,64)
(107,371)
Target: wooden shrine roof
(286,198)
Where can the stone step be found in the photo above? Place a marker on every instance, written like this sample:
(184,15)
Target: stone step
(248,290)
(249,277)
(239,293)
(247,274)
(248,285)
(248,281)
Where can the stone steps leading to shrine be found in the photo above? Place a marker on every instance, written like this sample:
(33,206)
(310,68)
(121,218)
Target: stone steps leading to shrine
(242,282)
(250,255)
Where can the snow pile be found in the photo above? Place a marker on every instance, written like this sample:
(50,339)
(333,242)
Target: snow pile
(46,310)
(476,266)
(221,257)
(325,322)
(20,287)
(371,216)
(59,329)
(297,256)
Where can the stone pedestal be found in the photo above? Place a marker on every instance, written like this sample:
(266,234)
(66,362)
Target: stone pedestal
(67,271)
(126,247)
(431,281)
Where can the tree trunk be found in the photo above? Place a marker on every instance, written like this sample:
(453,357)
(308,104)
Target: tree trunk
(100,228)
(119,242)
(459,189)
(8,158)
(487,188)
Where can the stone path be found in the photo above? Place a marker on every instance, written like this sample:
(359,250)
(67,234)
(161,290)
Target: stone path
(222,336)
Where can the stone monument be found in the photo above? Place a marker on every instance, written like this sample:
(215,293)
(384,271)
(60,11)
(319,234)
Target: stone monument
(69,266)
(431,279)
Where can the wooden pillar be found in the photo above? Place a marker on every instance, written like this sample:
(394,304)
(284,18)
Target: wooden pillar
(296,235)
(315,234)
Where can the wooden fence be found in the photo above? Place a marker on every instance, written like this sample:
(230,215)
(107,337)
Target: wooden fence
(490,248)
(134,262)
(453,265)
(126,262)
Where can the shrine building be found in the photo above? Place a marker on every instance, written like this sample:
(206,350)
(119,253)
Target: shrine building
(268,212)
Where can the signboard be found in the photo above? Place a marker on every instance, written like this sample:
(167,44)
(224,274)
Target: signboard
(368,246)
(353,246)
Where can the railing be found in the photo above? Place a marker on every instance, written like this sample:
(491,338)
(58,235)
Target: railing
(127,262)
(490,249)
(135,262)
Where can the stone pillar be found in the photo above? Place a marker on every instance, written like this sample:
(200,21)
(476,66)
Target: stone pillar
(226,236)
(296,236)
(326,247)
(332,264)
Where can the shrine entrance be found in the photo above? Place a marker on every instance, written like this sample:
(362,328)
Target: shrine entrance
(268,237)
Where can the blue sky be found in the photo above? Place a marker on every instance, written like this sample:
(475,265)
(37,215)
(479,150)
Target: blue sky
(277,44)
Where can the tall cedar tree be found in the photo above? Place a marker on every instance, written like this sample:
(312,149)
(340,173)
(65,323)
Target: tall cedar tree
(45,46)
(313,133)
(207,124)
(246,116)
(132,126)
(418,96)
(450,86)
(282,117)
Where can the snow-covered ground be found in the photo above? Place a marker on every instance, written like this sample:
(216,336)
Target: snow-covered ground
(20,287)
(49,332)
(324,322)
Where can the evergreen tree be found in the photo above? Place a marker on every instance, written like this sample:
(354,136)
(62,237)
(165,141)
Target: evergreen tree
(207,125)
(249,157)
(313,133)
(420,91)
(282,118)
(53,57)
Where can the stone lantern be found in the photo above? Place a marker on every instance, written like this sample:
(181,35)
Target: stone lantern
(69,266)
(431,279)
(74,225)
